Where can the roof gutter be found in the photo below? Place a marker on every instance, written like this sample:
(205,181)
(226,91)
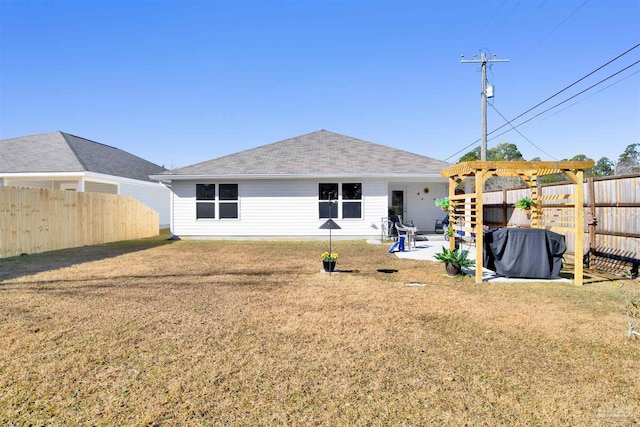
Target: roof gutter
(168,177)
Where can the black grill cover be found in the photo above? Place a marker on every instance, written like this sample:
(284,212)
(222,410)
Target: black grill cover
(531,253)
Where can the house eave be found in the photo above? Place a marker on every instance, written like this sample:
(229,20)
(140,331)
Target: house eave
(92,176)
(336,175)
(42,174)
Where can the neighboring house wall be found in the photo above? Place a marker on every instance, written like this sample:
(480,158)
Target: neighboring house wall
(100,187)
(154,195)
(269,208)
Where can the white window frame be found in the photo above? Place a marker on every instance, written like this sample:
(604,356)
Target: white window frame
(207,201)
(341,201)
(344,201)
(217,202)
(235,201)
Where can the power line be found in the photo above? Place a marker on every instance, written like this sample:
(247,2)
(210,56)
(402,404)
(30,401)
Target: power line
(566,88)
(520,133)
(566,100)
(593,94)
(511,12)
(534,12)
(492,16)
(561,23)
(463,149)
(549,98)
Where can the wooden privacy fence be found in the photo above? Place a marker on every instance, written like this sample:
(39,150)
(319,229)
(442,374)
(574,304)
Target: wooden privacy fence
(36,220)
(611,210)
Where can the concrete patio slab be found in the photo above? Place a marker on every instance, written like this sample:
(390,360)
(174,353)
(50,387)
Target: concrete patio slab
(428,245)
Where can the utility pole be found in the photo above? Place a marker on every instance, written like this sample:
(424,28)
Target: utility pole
(483,60)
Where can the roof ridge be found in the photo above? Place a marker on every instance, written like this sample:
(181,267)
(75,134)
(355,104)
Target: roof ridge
(90,140)
(73,150)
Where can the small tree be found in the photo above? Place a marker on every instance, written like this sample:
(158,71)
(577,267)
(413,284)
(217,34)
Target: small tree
(603,167)
(629,161)
(632,304)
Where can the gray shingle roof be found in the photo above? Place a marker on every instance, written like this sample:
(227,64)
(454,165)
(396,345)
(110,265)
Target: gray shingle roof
(62,152)
(317,153)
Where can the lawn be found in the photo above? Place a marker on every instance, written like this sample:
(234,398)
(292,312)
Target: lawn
(153,332)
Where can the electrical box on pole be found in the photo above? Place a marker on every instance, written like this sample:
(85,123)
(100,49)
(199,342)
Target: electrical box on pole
(486,92)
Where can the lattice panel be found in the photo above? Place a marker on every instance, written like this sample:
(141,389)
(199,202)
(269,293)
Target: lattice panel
(464,216)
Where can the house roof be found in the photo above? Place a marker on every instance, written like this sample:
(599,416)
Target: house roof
(320,153)
(62,152)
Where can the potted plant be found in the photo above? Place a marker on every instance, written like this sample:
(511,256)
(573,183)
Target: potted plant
(443,203)
(454,260)
(329,261)
(525,204)
(448,232)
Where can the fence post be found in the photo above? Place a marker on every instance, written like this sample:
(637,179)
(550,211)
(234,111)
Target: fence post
(504,207)
(592,224)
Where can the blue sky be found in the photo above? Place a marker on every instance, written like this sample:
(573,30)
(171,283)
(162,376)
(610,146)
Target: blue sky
(179,82)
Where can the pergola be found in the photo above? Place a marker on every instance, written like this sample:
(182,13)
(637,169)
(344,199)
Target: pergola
(562,213)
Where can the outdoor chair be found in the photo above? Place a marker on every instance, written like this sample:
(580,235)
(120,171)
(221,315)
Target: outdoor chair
(409,234)
(391,223)
(441,224)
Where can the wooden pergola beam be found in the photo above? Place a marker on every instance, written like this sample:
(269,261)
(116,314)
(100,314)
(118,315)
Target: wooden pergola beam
(507,168)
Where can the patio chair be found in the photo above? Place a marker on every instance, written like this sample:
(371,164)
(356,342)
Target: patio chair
(409,234)
(391,231)
(441,224)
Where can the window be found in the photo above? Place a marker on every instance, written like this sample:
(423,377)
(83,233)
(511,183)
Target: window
(328,195)
(225,204)
(352,200)
(206,201)
(228,201)
(340,199)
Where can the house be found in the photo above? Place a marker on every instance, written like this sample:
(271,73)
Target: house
(290,188)
(60,161)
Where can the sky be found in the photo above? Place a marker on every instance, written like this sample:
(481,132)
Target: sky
(181,82)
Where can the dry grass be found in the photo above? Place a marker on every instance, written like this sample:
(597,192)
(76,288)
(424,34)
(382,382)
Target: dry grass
(250,333)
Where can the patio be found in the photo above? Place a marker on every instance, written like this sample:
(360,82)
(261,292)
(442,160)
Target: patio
(428,245)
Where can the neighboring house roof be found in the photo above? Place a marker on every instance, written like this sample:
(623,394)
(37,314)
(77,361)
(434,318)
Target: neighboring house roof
(62,152)
(320,153)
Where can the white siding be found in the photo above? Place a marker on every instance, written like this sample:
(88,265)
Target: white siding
(100,187)
(276,208)
(152,194)
(421,208)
